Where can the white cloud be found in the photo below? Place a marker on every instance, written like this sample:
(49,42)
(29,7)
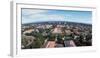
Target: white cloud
(45,17)
(32,11)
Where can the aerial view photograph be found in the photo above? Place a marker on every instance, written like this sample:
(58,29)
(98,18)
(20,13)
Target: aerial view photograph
(53,28)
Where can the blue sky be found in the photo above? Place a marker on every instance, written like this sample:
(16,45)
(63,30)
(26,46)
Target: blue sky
(40,15)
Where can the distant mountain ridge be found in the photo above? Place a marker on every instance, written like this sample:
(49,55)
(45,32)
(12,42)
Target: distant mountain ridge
(55,22)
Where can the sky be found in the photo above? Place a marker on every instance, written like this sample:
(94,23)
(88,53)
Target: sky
(41,15)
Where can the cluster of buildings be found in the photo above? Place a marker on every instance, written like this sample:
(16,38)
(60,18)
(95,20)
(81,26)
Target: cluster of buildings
(56,34)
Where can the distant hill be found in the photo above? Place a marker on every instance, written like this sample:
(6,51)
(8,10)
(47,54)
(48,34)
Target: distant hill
(57,22)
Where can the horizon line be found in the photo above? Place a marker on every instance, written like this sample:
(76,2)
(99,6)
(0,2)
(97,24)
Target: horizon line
(56,21)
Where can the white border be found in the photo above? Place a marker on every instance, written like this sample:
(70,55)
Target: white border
(50,51)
